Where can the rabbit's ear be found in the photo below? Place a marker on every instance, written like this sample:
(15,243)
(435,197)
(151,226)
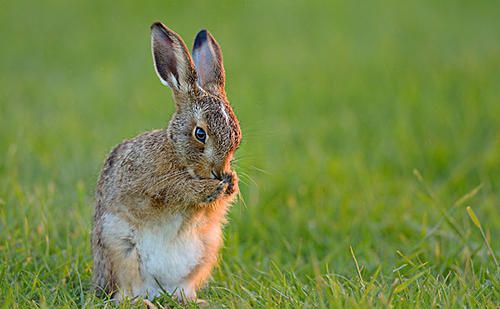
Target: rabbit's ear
(207,57)
(172,61)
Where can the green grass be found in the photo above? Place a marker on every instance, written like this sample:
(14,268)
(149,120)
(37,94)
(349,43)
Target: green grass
(368,130)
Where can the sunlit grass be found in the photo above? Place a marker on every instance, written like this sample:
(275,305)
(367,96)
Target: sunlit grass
(368,132)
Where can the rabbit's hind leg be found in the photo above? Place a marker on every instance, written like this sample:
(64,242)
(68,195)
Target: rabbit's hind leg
(122,257)
(102,278)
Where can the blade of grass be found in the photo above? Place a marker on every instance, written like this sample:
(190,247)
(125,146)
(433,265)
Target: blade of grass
(477,223)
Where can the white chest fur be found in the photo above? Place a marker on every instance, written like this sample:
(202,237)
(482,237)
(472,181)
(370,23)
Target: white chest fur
(168,254)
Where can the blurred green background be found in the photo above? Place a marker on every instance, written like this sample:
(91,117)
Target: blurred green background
(367,124)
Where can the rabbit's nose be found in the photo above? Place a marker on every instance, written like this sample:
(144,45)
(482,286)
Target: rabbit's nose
(216,175)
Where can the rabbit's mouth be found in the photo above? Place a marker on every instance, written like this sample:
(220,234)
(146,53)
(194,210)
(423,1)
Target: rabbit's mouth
(222,176)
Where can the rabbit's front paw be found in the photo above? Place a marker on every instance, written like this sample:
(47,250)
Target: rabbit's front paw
(219,189)
(232,183)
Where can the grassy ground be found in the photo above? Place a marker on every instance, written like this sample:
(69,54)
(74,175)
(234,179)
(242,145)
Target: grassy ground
(369,128)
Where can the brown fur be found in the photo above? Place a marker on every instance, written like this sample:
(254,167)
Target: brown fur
(165,172)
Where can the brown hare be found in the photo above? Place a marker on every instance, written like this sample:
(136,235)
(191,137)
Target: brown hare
(162,196)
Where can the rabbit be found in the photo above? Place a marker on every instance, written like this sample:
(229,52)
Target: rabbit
(162,197)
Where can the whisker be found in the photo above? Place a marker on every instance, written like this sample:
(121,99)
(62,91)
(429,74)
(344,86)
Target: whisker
(240,197)
(244,182)
(260,170)
(249,178)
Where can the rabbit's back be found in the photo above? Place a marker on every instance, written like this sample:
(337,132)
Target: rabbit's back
(132,166)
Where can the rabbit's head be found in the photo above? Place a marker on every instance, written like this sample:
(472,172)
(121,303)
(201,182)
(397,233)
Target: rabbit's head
(204,130)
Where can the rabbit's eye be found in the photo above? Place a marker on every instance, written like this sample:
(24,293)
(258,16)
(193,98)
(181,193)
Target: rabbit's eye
(200,134)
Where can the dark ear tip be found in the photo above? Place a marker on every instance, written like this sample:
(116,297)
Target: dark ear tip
(201,38)
(157,24)
(160,28)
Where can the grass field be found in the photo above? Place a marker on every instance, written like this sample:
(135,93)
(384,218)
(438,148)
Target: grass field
(368,129)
